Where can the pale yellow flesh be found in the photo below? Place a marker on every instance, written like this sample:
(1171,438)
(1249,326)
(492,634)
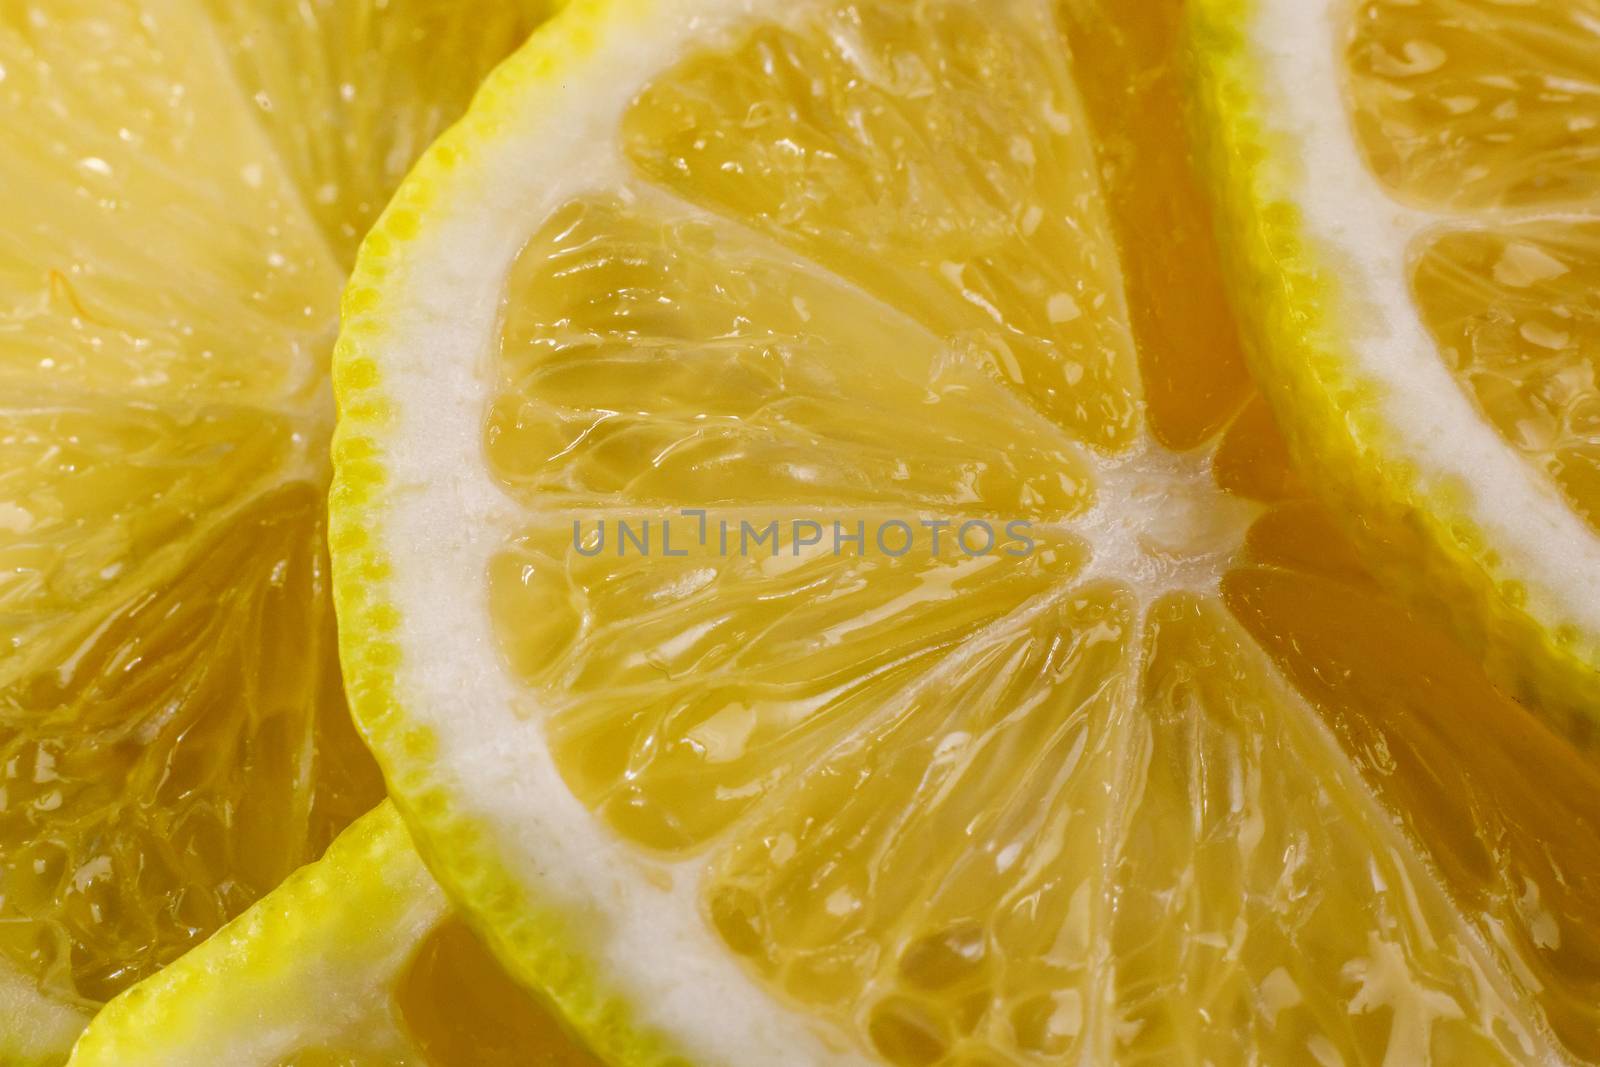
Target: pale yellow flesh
(183,183)
(864,264)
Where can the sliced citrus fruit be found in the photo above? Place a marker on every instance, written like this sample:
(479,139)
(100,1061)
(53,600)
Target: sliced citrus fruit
(180,182)
(819,601)
(354,961)
(1413,190)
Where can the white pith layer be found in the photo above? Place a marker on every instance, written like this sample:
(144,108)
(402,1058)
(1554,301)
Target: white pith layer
(1299,46)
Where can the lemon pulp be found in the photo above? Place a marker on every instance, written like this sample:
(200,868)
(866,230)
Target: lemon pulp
(1158,786)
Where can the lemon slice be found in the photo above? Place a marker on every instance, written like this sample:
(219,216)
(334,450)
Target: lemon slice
(1417,224)
(1133,765)
(181,183)
(354,961)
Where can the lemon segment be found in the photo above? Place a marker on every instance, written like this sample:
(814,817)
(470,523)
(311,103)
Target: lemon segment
(738,789)
(963,117)
(598,373)
(1477,106)
(174,736)
(1512,311)
(129,158)
(354,960)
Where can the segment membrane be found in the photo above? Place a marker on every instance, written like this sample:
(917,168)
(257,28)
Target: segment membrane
(1252,459)
(1474,104)
(1516,314)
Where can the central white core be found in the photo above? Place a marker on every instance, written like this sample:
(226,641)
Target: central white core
(1161,524)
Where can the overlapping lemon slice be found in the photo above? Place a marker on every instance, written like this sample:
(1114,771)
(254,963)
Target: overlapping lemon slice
(1413,190)
(355,961)
(182,184)
(659,379)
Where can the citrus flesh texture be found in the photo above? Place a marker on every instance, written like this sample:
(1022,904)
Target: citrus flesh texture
(184,182)
(1429,194)
(354,961)
(1178,784)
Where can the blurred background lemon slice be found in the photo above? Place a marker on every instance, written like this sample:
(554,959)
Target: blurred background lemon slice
(184,182)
